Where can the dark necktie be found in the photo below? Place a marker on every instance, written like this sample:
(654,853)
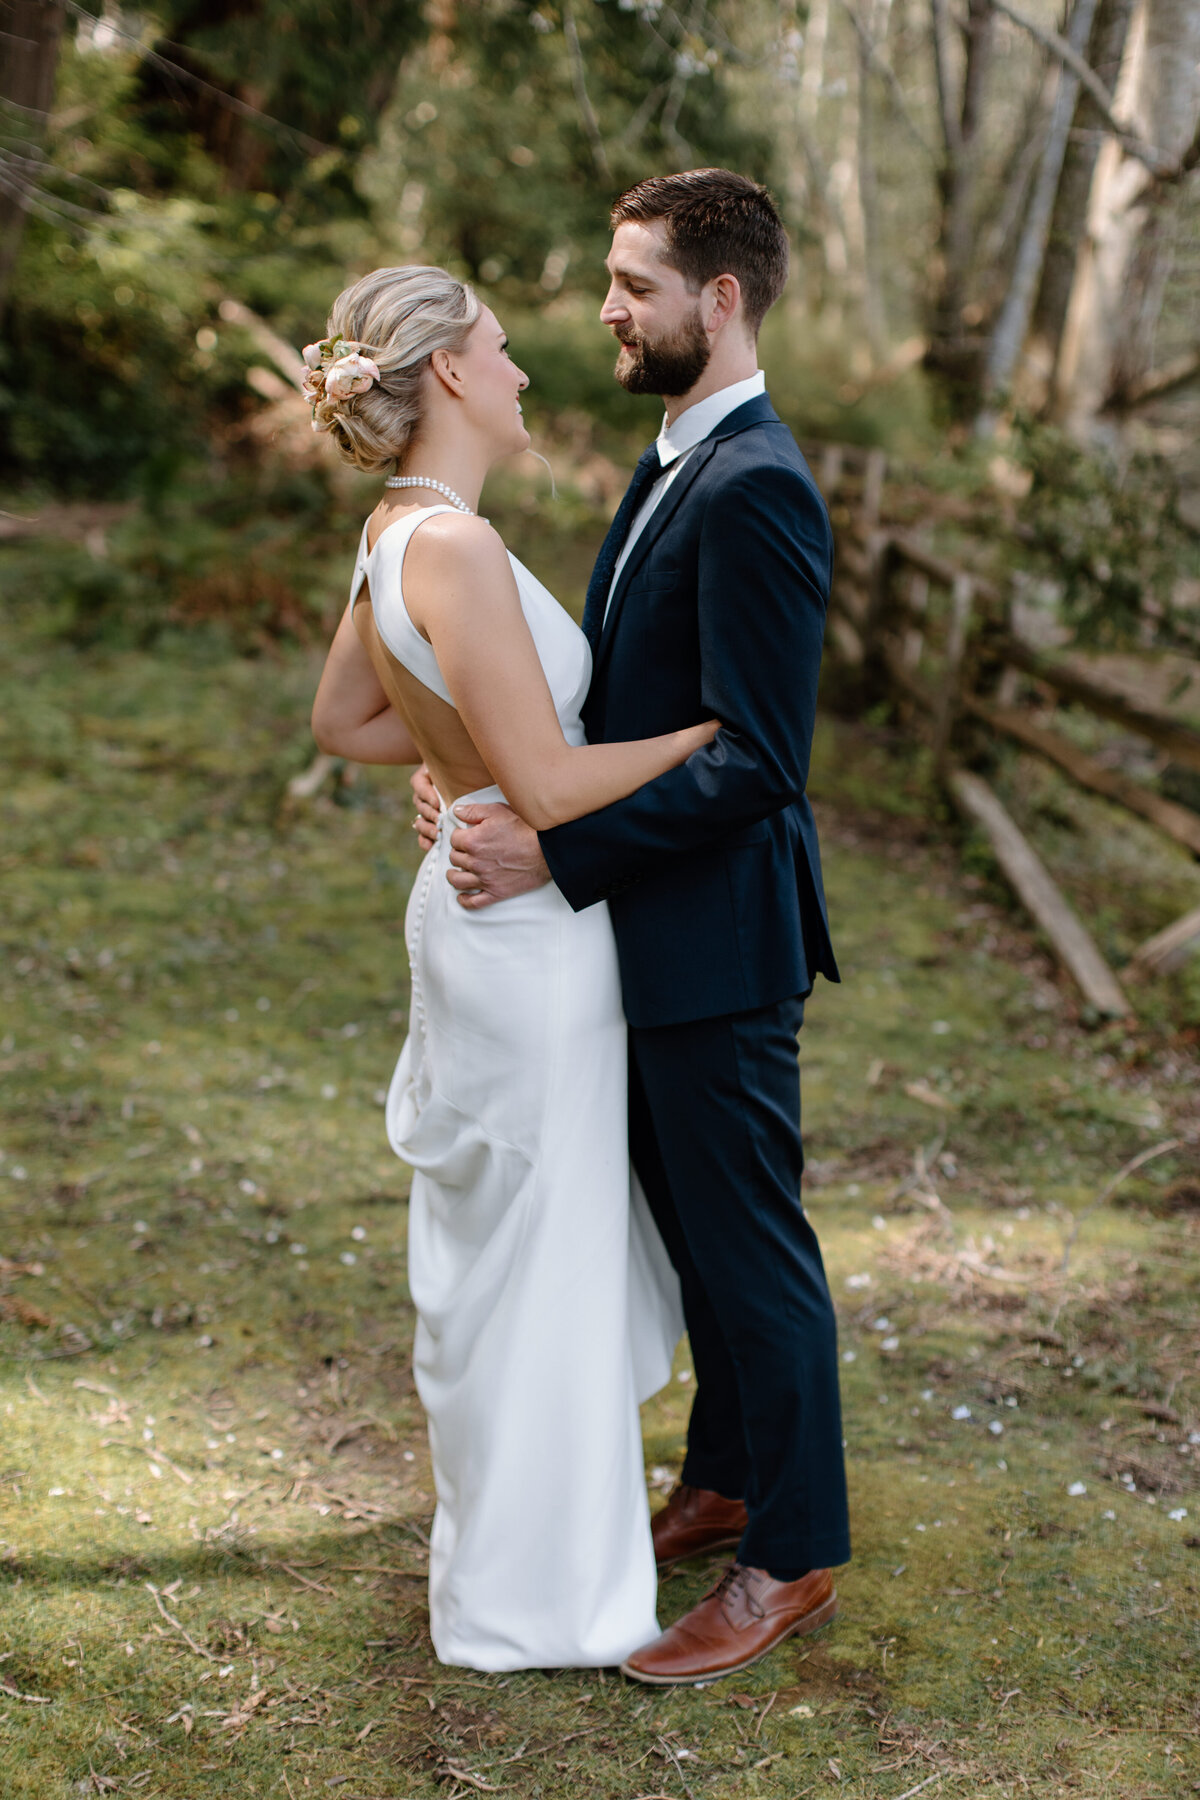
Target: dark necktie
(648,469)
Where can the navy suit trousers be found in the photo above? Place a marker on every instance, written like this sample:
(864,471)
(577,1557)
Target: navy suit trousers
(714,1126)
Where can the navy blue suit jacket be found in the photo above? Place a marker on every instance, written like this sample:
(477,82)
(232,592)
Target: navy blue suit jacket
(712,871)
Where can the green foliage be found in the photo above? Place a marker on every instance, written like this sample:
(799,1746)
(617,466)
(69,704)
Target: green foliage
(468,150)
(250,558)
(1111,538)
(103,388)
(499,177)
(320,74)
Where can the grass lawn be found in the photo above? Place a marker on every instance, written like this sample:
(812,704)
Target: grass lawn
(214,1485)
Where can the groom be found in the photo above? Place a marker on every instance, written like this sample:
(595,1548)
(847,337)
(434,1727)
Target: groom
(708,600)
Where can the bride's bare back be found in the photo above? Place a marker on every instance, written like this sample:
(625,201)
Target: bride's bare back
(446,745)
(461,598)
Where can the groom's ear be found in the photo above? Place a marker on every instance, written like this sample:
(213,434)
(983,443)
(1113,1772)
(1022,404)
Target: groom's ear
(722,300)
(443,368)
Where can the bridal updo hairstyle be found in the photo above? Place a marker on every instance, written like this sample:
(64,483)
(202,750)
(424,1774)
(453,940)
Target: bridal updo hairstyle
(397,318)
(716,223)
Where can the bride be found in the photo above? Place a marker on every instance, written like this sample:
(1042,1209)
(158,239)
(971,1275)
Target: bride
(546,1306)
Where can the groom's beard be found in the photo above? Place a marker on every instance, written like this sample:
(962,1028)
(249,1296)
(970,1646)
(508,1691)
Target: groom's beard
(668,366)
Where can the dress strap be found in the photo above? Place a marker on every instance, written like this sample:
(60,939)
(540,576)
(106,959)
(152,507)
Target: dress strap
(382,567)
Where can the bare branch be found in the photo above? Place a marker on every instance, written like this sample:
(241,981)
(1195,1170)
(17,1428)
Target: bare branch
(1158,164)
(1012,325)
(1110,1188)
(638,121)
(1172,375)
(878,65)
(582,99)
(310,145)
(951,134)
(681,77)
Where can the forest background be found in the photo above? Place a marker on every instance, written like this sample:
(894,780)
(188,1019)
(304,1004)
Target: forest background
(994,216)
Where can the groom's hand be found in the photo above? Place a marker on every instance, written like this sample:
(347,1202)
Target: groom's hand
(494,855)
(428,804)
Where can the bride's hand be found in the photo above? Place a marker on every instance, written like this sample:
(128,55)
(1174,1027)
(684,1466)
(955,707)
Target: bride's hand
(428,804)
(704,733)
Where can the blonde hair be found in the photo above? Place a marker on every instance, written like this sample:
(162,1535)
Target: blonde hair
(397,318)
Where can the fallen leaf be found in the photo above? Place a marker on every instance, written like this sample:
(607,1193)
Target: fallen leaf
(23,1311)
(920,1090)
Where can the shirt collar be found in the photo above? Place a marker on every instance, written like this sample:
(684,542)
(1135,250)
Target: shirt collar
(694,425)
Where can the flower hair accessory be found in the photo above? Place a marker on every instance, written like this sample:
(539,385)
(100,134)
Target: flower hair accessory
(335,369)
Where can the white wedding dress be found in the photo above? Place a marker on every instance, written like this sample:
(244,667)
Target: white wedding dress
(547,1308)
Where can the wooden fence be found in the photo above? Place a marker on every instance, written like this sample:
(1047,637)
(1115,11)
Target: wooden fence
(940,640)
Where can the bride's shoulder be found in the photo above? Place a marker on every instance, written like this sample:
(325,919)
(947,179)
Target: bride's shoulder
(454,540)
(456,557)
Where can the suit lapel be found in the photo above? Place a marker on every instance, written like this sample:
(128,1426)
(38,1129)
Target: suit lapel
(655,525)
(757,411)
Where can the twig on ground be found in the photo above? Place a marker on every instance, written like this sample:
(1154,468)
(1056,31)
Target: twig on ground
(341,1434)
(414,1531)
(176,1626)
(762,1717)
(451,1772)
(379,1569)
(678,1768)
(928,1782)
(13,1693)
(525,1753)
(214,1531)
(156,1456)
(174,1467)
(1135,1162)
(318,1587)
(362,1509)
(921,1178)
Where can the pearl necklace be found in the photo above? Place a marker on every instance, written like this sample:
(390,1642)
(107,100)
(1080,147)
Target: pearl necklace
(438,487)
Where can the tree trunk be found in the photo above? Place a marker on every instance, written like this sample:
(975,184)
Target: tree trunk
(812,76)
(811,200)
(1008,337)
(868,193)
(950,353)
(1171,56)
(29,33)
(1068,225)
(1108,342)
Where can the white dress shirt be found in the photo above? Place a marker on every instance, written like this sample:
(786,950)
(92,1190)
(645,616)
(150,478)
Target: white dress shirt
(676,443)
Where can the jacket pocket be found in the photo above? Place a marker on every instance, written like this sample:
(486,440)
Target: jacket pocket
(655,581)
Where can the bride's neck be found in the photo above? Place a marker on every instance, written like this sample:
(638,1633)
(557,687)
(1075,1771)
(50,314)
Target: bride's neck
(439,457)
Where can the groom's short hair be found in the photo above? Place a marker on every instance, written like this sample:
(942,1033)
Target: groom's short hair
(717,223)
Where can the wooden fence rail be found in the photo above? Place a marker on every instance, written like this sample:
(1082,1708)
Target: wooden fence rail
(933,635)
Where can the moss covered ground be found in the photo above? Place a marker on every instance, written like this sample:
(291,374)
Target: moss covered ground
(214,1485)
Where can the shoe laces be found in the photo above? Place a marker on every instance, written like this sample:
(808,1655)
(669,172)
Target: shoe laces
(738,1578)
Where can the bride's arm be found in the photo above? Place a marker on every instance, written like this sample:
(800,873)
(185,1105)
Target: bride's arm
(351,715)
(462,595)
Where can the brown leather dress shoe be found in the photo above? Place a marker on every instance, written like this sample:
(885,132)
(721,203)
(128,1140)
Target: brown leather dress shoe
(735,1624)
(693,1522)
